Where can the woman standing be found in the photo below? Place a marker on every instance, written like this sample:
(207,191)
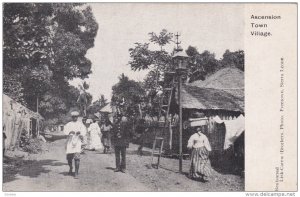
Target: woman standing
(106,138)
(94,135)
(200,164)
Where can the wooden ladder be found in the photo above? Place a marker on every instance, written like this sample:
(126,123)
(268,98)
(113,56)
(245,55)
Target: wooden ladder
(157,141)
(167,92)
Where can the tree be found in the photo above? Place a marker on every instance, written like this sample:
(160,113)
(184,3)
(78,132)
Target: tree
(84,99)
(25,46)
(97,105)
(127,95)
(13,88)
(157,60)
(44,46)
(201,65)
(233,59)
(144,58)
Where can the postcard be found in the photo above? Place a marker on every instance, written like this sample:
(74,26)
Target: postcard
(154,97)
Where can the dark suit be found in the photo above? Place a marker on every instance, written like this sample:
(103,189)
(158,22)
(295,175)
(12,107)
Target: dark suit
(120,139)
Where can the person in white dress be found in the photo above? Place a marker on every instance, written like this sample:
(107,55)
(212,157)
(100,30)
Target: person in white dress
(76,132)
(94,135)
(200,163)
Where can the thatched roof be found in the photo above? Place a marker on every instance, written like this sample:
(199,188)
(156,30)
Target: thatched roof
(227,79)
(207,98)
(11,106)
(223,90)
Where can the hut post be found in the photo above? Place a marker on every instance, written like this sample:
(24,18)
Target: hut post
(37,120)
(180,123)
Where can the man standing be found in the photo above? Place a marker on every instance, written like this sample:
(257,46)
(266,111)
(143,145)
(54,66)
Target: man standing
(76,132)
(121,136)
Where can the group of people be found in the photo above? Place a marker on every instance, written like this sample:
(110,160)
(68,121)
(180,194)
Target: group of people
(98,137)
(118,134)
(91,136)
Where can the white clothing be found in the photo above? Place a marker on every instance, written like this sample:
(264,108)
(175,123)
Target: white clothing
(73,144)
(94,137)
(106,128)
(198,140)
(218,120)
(234,128)
(77,126)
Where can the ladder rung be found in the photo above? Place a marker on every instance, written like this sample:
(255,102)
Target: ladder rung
(165,106)
(159,138)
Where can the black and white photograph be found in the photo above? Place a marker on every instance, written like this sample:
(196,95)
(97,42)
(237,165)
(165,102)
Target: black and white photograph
(123,97)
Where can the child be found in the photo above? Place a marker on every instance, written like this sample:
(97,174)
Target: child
(73,149)
(75,130)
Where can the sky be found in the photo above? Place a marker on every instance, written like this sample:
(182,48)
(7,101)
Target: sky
(212,27)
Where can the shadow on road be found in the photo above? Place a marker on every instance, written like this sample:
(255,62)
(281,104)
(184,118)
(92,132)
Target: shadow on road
(110,168)
(29,168)
(65,173)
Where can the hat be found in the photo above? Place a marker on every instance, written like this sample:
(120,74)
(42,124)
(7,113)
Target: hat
(74,113)
(89,121)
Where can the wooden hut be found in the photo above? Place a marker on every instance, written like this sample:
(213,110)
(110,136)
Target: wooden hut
(15,119)
(220,95)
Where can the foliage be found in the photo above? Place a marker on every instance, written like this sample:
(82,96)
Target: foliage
(97,105)
(13,87)
(200,65)
(162,39)
(44,46)
(157,60)
(30,145)
(144,58)
(127,95)
(233,59)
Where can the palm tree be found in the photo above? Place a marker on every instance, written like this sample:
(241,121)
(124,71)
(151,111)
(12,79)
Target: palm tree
(82,98)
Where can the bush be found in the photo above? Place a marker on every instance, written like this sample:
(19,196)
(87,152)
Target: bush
(30,145)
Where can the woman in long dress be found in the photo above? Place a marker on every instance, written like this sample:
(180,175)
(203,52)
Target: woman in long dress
(200,164)
(94,135)
(106,138)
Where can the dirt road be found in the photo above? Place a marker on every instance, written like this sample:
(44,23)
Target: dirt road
(48,172)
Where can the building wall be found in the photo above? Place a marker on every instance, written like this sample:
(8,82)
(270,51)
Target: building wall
(15,119)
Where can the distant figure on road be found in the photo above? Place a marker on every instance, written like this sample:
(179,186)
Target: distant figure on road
(106,137)
(94,135)
(121,136)
(200,164)
(76,132)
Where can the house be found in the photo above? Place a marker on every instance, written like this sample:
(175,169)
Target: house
(217,104)
(221,95)
(17,118)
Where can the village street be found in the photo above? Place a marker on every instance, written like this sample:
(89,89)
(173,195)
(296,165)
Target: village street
(48,172)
